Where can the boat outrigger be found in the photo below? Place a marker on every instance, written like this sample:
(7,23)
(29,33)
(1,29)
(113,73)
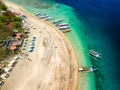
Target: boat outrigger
(86,69)
(94,53)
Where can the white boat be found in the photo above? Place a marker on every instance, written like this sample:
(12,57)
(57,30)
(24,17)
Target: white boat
(37,14)
(62,24)
(63,27)
(48,18)
(94,53)
(42,16)
(59,20)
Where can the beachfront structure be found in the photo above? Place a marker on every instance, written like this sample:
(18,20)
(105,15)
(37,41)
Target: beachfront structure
(57,21)
(64,27)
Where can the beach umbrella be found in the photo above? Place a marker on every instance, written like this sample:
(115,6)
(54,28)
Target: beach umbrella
(24,46)
(34,37)
(21,17)
(24,16)
(30,50)
(31,47)
(23,49)
(32,43)
(17,13)
(25,42)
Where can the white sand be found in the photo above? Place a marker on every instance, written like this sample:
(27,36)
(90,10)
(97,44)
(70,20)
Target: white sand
(53,65)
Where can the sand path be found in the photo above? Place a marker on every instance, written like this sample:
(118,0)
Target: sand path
(53,63)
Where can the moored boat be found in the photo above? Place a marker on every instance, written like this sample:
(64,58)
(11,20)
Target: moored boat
(86,69)
(57,21)
(65,31)
(42,16)
(63,27)
(37,14)
(62,24)
(48,18)
(94,53)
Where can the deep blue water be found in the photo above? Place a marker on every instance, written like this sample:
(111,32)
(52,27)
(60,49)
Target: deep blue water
(102,18)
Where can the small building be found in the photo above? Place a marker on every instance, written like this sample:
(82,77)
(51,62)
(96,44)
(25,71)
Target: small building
(19,42)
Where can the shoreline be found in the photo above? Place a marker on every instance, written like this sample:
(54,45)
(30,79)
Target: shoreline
(73,62)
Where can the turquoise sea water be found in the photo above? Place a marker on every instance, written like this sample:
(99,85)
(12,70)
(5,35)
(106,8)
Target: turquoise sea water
(88,31)
(102,20)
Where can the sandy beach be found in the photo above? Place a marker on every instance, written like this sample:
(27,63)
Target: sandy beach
(52,64)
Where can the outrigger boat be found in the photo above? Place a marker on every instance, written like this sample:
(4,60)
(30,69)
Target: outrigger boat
(65,31)
(62,24)
(57,21)
(94,53)
(43,16)
(63,27)
(48,18)
(86,69)
(37,14)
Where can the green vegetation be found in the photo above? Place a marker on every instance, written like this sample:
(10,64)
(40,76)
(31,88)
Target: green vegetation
(2,6)
(8,22)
